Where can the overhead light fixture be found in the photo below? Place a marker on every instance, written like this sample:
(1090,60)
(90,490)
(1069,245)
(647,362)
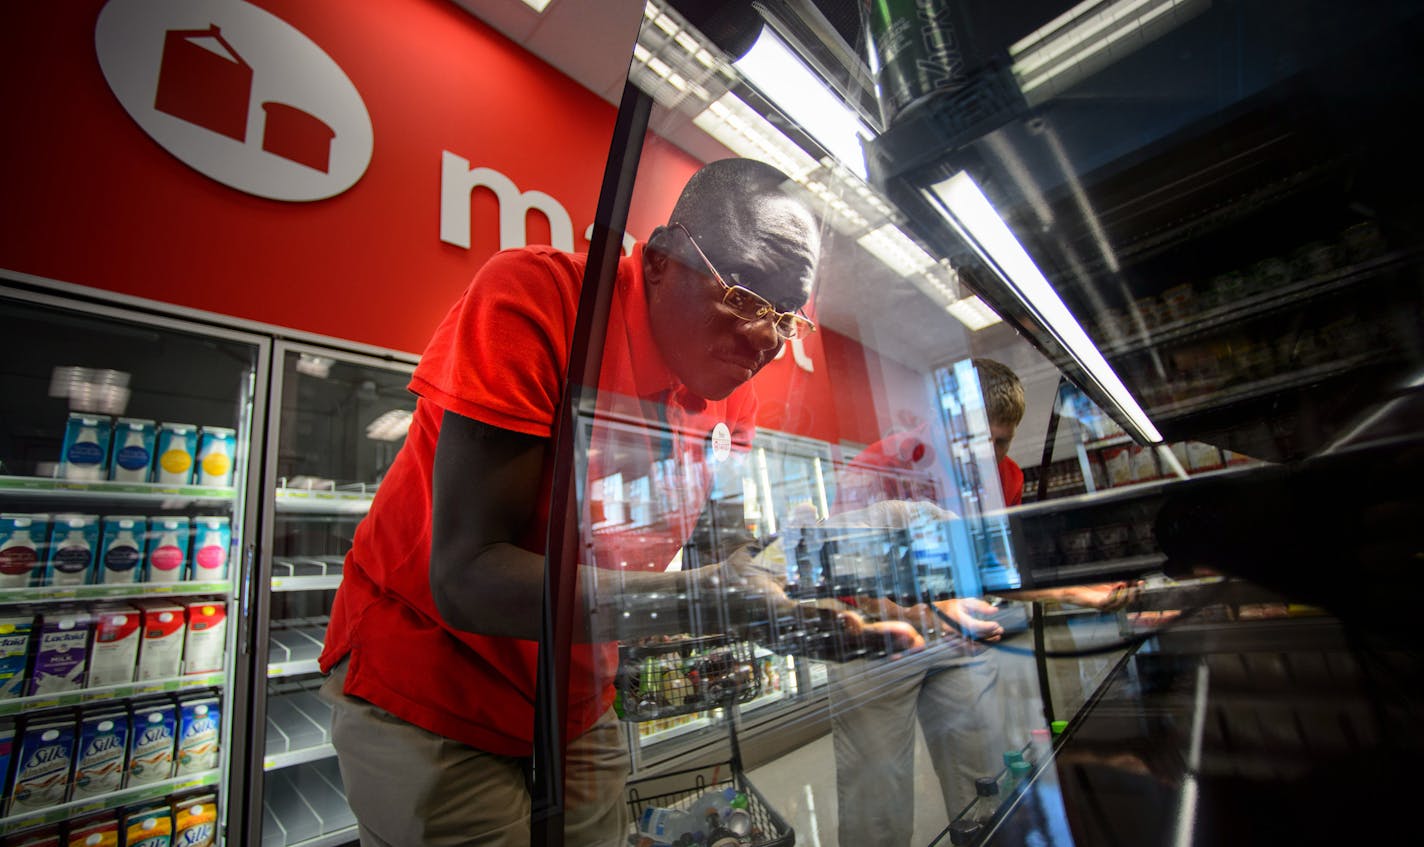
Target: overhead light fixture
(537,5)
(973,217)
(390,426)
(317,366)
(973,313)
(896,249)
(796,90)
(1089,37)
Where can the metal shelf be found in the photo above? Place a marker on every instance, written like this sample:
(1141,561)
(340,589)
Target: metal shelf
(277,761)
(112,800)
(306,583)
(305,666)
(305,502)
(137,493)
(80,696)
(330,839)
(112,592)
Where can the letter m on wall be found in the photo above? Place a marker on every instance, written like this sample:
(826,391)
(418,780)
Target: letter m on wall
(458,180)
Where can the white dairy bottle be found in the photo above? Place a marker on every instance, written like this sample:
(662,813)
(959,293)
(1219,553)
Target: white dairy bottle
(122,556)
(71,560)
(84,459)
(165,562)
(18,557)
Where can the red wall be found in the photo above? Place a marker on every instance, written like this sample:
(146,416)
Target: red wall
(91,199)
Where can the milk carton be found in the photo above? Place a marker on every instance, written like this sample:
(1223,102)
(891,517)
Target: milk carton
(160,651)
(203,649)
(199,728)
(152,741)
(61,652)
(22,539)
(113,656)
(121,550)
(216,448)
(212,538)
(44,836)
(167,549)
(176,447)
(101,830)
(132,459)
(16,631)
(72,541)
(102,752)
(150,826)
(195,821)
(84,455)
(7,751)
(42,768)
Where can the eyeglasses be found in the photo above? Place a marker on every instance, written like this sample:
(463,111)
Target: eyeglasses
(749,305)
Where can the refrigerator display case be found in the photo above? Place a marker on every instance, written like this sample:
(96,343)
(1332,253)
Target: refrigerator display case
(125,474)
(1200,214)
(339,419)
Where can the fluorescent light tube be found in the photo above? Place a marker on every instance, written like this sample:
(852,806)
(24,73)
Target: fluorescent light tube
(390,426)
(787,82)
(537,5)
(971,214)
(973,313)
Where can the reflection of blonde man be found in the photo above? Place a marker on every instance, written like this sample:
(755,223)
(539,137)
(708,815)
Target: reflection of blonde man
(955,689)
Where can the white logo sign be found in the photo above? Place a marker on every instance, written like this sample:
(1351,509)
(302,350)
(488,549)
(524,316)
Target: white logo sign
(721,442)
(237,94)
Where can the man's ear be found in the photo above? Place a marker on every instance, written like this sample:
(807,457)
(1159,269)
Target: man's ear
(655,257)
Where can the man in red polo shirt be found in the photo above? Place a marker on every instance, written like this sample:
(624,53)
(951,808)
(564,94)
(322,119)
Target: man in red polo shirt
(431,646)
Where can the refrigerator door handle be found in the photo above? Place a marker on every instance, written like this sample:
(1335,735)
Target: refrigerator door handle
(245,601)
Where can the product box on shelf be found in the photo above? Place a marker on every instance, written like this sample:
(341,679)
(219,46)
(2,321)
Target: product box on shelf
(199,727)
(212,539)
(7,752)
(99,830)
(72,542)
(16,631)
(177,447)
(132,459)
(113,657)
(61,651)
(84,455)
(167,557)
(43,766)
(1203,457)
(217,446)
(207,636)
(160,652)
(195,821)
(102,752)
(149,826)
(22,547)
(121,550)
(40,836)
(152,741)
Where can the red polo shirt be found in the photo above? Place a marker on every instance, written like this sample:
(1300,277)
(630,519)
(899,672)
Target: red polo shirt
(500,357)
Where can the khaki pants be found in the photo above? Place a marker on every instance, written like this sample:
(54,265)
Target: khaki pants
(411,788)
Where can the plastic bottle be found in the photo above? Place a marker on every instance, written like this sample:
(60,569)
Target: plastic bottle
(986,800)
(731,808)
(964,831)
(1018,773)
(718,835)
(73,558)
(19,557)
(122,556)
(669,826)
(1040,746)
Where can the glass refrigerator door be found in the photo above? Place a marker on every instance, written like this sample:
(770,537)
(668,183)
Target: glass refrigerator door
(1190,229)
(125,440)
(340,419)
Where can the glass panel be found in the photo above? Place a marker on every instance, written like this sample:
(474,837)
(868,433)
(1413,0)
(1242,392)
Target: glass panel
(342,420)
(1187,231)
(124,445)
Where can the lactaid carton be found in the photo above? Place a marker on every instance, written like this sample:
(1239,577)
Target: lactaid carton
(22,541)
(41,836)
(199,727)
(16,631)
(121,550)
(212,539)
(84,454)
(176,449)
(149,826)
(217,447)
(152,741)
(61,651)
(72,542)
(160,651)
(195,821)
(207,636)
(167,557)
(132,459)
(102,752)
(101,830)
(43,766)
(113,656)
